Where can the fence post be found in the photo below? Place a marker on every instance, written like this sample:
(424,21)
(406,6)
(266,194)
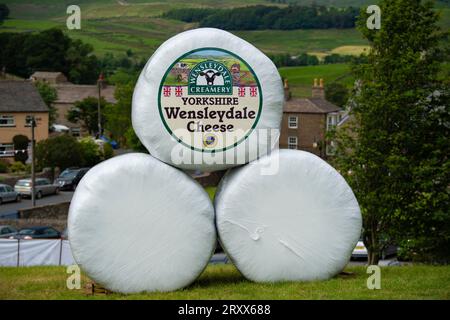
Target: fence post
(60,251)
(18,252)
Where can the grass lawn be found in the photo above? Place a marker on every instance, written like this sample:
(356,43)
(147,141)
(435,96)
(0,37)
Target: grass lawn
(211,192)
(225,282)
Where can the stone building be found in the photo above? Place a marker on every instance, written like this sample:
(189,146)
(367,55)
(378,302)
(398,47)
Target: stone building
(19,102)
(306,121)
(69,94)
(49,77)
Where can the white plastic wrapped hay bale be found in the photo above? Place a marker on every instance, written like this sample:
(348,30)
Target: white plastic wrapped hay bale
(203,96)
(301,223)
(136,224)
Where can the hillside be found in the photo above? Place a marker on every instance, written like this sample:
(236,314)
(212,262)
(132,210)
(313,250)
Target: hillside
(115,26)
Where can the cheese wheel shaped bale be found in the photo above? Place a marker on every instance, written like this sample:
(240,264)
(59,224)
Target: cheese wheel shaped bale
(208,100)
(137,224)
(287,216)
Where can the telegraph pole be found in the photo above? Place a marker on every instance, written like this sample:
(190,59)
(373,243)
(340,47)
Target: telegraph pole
(33,173)
(99,85)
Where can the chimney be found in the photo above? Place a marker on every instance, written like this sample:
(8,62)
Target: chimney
(287,92)
(318,90)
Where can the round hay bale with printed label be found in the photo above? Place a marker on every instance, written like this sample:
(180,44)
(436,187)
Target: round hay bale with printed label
(208,100)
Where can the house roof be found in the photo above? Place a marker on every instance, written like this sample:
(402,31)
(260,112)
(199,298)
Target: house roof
(309,105)
(20,96)
(71,93)
(47,74)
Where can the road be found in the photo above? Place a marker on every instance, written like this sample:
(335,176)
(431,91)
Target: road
(12,207)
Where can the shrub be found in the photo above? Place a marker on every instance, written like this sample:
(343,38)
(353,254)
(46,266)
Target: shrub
(21,143)
(17,167)
(61,151)
(108,151)
(90,152)
(3,166)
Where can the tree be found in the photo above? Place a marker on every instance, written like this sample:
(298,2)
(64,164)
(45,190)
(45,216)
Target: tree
(394,153)
(336,93)
(49,95)
(86,112)
(91,153)
(118,116)
(58,152)
(4,12)
(50,50)
(21,147)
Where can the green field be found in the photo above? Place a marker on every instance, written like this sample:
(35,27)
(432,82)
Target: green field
(115,26)
(225,282)
(144,35)
(118,25)
(301,78)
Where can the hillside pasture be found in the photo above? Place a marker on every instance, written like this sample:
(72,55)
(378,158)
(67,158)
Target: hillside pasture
(301,78)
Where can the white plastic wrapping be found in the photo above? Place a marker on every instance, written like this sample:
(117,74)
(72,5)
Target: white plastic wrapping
(136,224)
(301,223)
(237,70)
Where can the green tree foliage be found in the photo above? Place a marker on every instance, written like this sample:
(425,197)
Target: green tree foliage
(123,65)
(394,153)
(118,115)
(65,151)
(4,12)
(21,145)
(91,153)
(19,167)
(336,93)
(3,166)
(59,152)
(337,58)
(189,14)
(86,112)
(287,60)
(133,141)
(50,50)
(268,17)
(49,95)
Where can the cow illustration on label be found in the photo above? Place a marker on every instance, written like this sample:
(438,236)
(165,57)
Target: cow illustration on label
(210,76)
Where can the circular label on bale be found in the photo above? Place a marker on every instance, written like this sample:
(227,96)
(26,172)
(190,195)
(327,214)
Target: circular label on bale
(210,99)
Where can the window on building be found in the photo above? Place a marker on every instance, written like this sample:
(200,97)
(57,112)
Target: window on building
(332,120)
(75,132)
(292,142)
(7,121)
(330,149)
(28,120)
(293,122)
(6,150)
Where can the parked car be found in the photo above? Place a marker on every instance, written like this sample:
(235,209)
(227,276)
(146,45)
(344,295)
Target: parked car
(360,251)
(7,231)
(69,178)
(37,233)
(43,187)
(7,194)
